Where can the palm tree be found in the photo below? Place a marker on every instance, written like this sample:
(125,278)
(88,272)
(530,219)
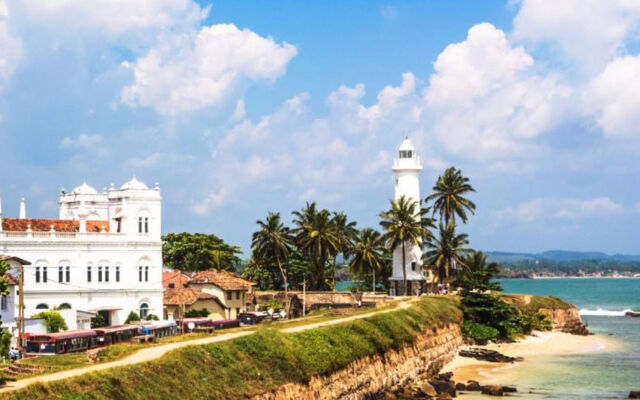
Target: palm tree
(447,251)
(346,232)
(403,224)
(317,238)
(367,253)
(449,196)
(273,241)
(479,275)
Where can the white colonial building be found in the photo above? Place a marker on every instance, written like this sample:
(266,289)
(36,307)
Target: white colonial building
(103,255)
(407,168)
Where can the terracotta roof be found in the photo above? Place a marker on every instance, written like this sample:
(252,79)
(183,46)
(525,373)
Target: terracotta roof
(44,225)
(13,258)
(188,296)
(223,279)
(176,277)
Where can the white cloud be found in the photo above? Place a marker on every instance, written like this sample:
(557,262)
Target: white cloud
(193,74)
(485,98)
(83,141)
(564,209)
(586,32)
(614,98)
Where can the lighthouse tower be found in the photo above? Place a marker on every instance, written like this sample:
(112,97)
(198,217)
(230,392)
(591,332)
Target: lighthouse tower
(406,168)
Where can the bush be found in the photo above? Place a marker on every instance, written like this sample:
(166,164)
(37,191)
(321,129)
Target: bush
(480,333)
(196,313)
(5,342)
(98,322)
(53,320)
(151,317)
(132,317)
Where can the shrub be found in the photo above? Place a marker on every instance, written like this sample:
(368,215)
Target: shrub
(196,313)
(53,321)
(132,317)
(480,333)
(98,322)
(151,317)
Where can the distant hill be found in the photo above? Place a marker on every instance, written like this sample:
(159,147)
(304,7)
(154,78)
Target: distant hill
(558,256)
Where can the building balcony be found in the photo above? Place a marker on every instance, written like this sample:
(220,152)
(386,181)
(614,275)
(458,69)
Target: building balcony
(407,164)
(52,236)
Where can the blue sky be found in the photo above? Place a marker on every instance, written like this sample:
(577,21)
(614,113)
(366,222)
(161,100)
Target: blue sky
(238,108)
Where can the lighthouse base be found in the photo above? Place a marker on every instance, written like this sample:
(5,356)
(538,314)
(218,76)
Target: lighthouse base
(414,287)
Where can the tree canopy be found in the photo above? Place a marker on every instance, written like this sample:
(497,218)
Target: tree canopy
(198,252)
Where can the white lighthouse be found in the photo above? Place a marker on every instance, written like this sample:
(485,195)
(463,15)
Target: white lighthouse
(406,168)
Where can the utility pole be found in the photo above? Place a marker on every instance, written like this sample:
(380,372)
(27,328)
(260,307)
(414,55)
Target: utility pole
(20,307)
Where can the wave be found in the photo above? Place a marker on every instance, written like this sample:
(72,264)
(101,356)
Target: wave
(600,312)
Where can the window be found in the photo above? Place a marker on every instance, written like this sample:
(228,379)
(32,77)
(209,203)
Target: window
(3,302)
(42,306)
(171,285)
(229,295)
(37,274)
(146,274)
(89,274)
(139,274)
(144,310)
(146,225)
(44,274)
(118,225)
(237,311)
(106,274)
(99,274)
(238,295)
(68,274)
(117,274)
(60,274)
(413,265)
(64,306)
(140,225)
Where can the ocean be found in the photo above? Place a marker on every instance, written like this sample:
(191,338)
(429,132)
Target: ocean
(599,375)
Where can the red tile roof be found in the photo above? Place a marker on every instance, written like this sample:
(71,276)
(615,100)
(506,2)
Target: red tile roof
(177,278)
(188,296)
(223,279)
(44,225)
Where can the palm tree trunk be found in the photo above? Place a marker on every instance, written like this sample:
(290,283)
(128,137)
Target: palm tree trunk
(286,288)
(374,281)
(335,262)
(404,270)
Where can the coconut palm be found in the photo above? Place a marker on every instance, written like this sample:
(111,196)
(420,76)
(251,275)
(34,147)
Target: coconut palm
(274,241)
(478,275)
(449,196)
(447,252)
(367,253)
(404,224)
(318,239)
(346,232)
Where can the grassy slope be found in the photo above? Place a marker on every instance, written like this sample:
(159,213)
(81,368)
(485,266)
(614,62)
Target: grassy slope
(251,365)
(534,303)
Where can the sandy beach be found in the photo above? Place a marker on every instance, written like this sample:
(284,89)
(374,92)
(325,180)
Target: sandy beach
(534,348)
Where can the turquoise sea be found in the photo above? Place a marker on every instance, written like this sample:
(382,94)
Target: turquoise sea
(600,375)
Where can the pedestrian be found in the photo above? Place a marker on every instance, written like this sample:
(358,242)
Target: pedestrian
(13,354)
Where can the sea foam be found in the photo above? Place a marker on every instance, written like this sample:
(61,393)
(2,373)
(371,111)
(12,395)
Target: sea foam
(600,312)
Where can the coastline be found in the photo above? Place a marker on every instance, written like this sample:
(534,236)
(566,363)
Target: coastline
(535,348)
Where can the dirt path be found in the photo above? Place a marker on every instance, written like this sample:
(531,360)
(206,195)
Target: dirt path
(155,352)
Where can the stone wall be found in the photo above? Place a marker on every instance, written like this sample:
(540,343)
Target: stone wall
(566,320)
(369,375)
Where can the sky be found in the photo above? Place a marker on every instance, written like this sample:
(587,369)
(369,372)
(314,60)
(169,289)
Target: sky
(237,108)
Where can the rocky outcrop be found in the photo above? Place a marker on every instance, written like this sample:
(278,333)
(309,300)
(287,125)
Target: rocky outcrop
(566,320)
(488,355)
(370,375)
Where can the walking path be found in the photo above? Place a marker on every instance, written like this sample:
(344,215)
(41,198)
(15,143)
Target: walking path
(155,352)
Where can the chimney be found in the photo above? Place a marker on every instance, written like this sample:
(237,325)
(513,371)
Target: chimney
(23,209)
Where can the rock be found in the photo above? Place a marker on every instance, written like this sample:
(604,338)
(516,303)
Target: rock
(473,386)
(509,389)
(493,390)
(632,314)
(634,394)
(444,387)
(461,386)
(488,355)
(427,390)
(445,377)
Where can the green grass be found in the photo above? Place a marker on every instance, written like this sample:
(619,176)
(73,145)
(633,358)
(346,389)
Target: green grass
(253,364)
(535,303)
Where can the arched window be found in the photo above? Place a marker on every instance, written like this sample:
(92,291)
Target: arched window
(64,306)
(42,306)
(144,310)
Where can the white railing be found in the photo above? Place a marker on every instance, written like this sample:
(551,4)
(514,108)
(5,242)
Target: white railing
(52,235)
(407,163)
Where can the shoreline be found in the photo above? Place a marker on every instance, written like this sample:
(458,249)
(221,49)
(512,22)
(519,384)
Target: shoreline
(534,278)
(534,348)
